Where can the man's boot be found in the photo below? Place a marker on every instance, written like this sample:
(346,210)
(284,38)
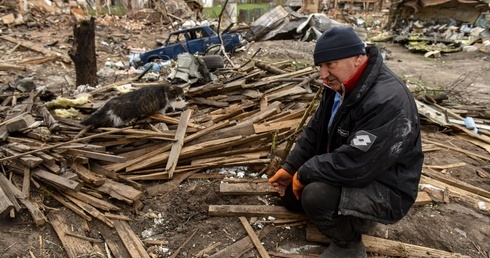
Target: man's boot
(354,250)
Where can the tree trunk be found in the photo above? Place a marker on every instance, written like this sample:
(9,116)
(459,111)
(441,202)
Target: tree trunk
(83,53)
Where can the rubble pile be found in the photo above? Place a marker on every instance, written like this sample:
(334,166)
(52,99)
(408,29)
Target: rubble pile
(243,114)
(429,36)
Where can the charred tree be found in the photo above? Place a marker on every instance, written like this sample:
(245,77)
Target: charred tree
(83,53)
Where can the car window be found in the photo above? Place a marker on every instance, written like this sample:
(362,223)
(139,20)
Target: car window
(176,38)
(201,33)
(197,34)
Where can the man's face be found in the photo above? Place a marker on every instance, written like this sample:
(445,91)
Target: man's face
(334,73)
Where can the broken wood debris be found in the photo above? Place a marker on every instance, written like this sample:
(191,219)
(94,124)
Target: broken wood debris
(385,246)
(83,171)
(231,122)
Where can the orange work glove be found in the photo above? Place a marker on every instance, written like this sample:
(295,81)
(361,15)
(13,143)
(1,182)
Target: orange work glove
(280,181)
(297,186)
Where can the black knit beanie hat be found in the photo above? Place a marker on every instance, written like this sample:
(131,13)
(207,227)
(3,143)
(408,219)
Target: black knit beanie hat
(337,43)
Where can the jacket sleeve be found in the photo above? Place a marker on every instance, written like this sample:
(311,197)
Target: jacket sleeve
(384,129)
(305,147)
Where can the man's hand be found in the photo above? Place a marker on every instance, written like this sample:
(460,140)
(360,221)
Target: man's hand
(297,186)
(280,181)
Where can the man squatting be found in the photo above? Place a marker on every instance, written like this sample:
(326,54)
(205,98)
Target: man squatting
(359,158)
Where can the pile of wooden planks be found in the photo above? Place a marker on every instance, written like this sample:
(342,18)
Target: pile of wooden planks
(284,218)
(244,118)
(237,120)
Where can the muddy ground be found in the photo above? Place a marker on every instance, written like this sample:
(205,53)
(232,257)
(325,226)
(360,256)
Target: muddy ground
(454,227)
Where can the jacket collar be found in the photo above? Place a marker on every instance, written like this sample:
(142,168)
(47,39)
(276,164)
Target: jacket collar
(367,77)
(352,81)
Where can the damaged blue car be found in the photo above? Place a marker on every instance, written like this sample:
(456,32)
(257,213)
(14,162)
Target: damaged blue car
(195,40)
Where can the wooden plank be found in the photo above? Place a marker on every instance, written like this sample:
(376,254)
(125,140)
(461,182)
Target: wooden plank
(6,67)
(423,198)
(177,252)
(178,143)
(220,144)
(227,113)
(294,74)
(253,211)
(56,180)
(49,162)
(473,200)
(20,122)
(470,133)
(476,142)
(96,168)
(286,93)
(385,246)
(456,182)
(470,154)
(241,246)
(137,157)
(209,102)
(94,201)
(171,120)
(271,109)
(246,188)
(6,206)
(142,133)
(275,126)
(48,119)
(240,129)
(225,156)
(120,191)
(38,48)
(8,193)
(75,247)
(168,186)
(91,210)
(4,133)
(234,85)
(36,214)
(62,144)
(18,146)
(255,240)
(117,217)
(26,184)
(223,163)
(87,175)
(114,243)
(256,188)
(190,150)
(133,244)
(448,166)
(90,239)
(96,155)
(206,251)
(71,206)
(83,146)
(27,160)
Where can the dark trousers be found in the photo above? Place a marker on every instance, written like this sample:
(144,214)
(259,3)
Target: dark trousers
(320,202)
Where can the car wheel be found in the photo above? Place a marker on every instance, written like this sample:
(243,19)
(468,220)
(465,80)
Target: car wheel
(213,62)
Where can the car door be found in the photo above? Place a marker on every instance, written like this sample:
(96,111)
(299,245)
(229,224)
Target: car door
(196,42)
(175,45)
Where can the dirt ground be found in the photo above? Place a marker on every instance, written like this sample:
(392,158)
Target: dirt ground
(453,227)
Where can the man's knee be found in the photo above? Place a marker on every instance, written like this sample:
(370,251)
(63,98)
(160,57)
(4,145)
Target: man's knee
(319,198)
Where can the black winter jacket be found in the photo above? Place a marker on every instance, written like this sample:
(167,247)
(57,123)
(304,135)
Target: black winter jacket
(373,150)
